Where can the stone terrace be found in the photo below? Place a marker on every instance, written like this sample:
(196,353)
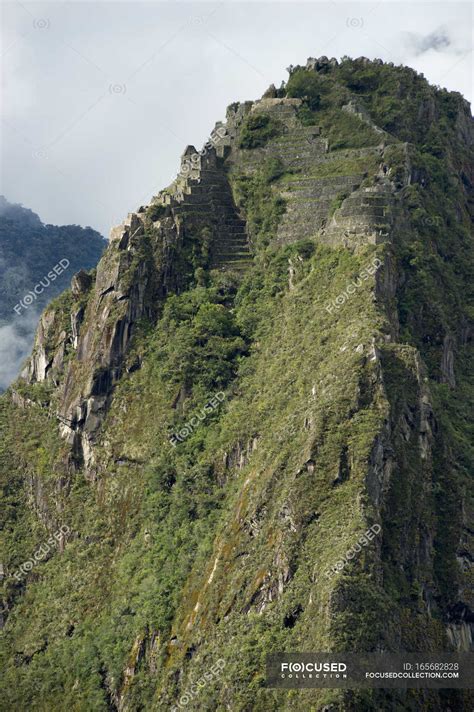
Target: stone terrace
(321,186)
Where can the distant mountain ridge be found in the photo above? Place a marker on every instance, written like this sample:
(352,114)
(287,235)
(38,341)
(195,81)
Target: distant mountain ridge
(29,251)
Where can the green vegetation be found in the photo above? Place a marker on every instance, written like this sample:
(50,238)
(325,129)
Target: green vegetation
(257,130)
(156,211)
(307,86)
(346,130)
(337,202)
(258,196)
(178,496)
(380,87)
(272,169)
(202,533)
(323,99)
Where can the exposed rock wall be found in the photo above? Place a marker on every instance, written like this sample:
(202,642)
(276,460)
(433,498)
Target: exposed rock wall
(140,266)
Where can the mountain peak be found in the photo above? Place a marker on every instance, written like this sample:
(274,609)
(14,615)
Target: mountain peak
(250,422)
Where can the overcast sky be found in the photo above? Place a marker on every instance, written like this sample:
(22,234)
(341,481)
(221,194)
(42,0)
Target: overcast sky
(100,98)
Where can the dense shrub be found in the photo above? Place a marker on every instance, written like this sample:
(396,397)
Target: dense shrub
(305,85)
(156,211)
(257,130)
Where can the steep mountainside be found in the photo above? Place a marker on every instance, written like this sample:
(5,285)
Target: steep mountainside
(29,252)
(272,357)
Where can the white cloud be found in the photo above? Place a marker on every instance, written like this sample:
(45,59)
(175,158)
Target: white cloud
(16,340)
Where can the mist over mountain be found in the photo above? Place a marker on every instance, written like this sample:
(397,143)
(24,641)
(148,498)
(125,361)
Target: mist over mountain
(30,277)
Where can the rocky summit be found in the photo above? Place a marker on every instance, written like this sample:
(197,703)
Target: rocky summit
(270,361)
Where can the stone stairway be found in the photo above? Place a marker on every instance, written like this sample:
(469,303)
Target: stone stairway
(232,249)
(321,188)
(203,198)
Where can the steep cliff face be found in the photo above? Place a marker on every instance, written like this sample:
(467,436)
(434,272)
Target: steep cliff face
(271,358)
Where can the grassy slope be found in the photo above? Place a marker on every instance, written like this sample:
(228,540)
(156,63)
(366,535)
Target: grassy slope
(270,399)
